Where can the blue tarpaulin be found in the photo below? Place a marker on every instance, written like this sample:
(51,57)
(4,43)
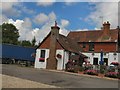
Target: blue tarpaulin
(16,52)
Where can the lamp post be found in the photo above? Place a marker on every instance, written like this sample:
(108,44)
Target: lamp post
(101,58)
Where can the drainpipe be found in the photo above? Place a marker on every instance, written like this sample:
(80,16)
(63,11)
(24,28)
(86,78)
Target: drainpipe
(63,59)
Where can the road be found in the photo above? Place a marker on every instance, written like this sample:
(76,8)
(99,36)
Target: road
(59,79)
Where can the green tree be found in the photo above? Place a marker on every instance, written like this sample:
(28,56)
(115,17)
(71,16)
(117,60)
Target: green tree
(26,43)
(10,34)
(33,41)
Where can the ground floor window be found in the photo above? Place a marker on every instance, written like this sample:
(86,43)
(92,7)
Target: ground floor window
(42,56)
(95,61)
(106,61)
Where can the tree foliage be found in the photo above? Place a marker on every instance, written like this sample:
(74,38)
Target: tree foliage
(10,34)
(33,41)
(25,43)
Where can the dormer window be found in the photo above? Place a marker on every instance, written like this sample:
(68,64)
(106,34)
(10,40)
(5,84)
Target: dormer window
(91,46)
(84,45)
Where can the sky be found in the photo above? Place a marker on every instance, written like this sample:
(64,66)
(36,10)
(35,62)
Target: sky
(35,18)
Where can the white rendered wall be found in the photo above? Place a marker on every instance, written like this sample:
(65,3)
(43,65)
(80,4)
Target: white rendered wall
(111,57)
(66,58)
(60,60)
(41,64)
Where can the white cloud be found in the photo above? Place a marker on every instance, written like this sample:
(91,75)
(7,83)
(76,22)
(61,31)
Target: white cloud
(70,2)
(27,32)
(3,18)
(26,10)
(45,2)
(9,10)
(109,12)
(43,18)
(64,23)
(27,23)
(52,16)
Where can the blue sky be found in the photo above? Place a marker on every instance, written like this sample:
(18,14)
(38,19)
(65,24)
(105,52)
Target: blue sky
(36,18)
(75,13)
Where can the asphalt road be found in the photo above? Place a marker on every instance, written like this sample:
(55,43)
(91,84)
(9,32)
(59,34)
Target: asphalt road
(60,79)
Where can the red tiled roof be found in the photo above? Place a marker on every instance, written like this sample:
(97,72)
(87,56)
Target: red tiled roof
(69,44)
(66,43)
(94,36)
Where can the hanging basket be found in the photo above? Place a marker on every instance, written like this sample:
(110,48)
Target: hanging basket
(59,56)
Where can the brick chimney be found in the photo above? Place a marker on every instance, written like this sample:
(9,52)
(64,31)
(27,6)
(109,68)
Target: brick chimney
(106,28)
(52,62)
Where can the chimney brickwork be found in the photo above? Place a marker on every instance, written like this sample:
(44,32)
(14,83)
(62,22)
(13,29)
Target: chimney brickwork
(52,62)
(106,28)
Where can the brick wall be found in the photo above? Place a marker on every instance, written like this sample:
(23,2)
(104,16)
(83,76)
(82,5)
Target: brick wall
(106,47)
(46,44)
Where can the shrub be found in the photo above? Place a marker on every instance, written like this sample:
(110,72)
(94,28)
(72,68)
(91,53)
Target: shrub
(81,68)
(88,66)
(102,69)
(112,74)
(91,72)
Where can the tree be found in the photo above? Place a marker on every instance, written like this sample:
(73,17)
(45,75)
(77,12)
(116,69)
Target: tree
(33,41)
(10,34)
(26,43)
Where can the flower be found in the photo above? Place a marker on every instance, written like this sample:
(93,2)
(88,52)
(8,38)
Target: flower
(91,72)
(112,74)
(41,59)
(115,63)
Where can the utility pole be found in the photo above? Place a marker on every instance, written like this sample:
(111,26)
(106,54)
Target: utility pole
(101,17)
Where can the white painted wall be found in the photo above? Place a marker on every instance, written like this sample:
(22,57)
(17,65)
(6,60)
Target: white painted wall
(111,57)
(60,62)
(41,64)
(66,58)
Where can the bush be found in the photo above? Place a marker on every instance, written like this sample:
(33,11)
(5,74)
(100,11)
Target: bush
(88,66)
(81,69)
(102,69)
(112,74)
(91,72)
(76,68)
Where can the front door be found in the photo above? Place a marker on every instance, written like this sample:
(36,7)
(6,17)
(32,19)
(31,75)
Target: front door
(95,61)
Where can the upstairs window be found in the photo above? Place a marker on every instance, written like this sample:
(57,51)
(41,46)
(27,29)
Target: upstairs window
(42,55)
(84,45)
(91,46)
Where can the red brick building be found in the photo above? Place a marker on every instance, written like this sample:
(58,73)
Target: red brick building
(55,51)
(93,41)
(83,43)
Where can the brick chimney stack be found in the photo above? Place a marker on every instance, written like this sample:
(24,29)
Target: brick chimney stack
(52,62)
(106,28)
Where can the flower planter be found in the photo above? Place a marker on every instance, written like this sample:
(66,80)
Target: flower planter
(101,75)
(81,72)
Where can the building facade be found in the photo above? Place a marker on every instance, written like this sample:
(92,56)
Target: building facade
(94,46)
(55,50)
(95,42)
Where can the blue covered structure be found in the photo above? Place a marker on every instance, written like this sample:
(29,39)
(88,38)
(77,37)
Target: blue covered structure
(16,52)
